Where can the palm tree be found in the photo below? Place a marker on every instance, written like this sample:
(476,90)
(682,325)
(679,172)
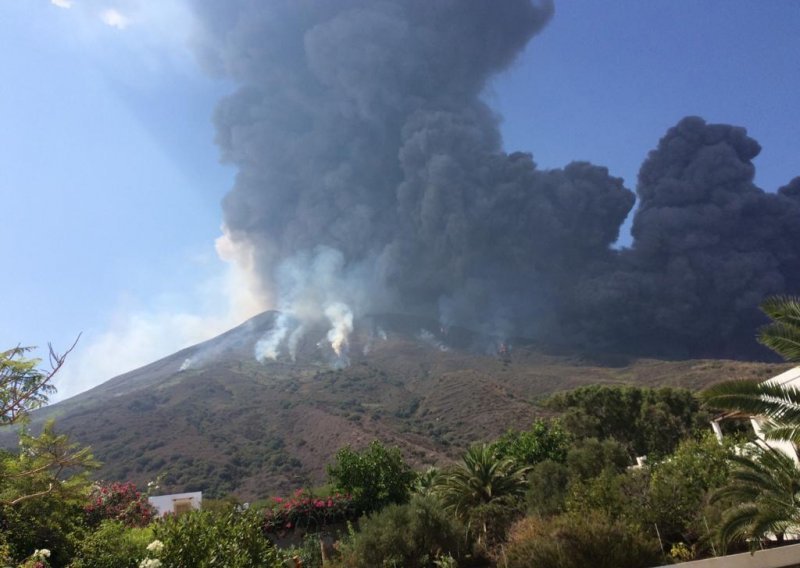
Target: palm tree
(471,489)
(783,334)
(779,404)
(766,483)
(766,487)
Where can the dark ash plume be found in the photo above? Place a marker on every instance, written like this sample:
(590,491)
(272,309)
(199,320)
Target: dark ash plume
(360,136)
(708,247)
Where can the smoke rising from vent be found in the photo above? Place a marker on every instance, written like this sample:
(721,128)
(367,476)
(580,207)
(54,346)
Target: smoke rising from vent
(372,178)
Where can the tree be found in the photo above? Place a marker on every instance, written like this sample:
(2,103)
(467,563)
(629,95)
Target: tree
(647,421)
(779,404)
(782,335)
(544,440)
(24,387)
(412,535)
(680,488)
(765,487)
(44,463)
(43,485)
(375,476)
(48,463)
(483,490)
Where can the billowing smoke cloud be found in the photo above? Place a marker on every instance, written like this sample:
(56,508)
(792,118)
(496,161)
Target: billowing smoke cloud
(372,178)
(708,247)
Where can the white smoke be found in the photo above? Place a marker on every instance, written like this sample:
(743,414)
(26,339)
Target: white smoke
(341,318)
(314,289)
(294,340)
(429,338)
(268,347)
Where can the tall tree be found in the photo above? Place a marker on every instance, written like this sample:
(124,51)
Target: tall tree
(47,463)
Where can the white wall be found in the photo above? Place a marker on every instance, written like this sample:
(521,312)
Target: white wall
(166,503)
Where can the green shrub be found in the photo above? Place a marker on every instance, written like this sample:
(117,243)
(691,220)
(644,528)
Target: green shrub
(204,539)
(49,522)
(589,457)
(113,545)
(413,535)
(547,488)
(577,541)
(375,476)
(544,440)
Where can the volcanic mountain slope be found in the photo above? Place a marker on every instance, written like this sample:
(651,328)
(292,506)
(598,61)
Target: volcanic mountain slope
(212,418)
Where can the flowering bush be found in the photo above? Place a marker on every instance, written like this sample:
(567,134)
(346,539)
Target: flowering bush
(120,502)
(305,511)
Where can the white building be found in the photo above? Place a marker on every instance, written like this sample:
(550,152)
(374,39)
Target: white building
(176,503)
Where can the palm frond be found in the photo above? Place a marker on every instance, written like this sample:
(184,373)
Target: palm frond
(765,485)
(783,338)
(783,334)
(778,432)
(751,397)
(781,308)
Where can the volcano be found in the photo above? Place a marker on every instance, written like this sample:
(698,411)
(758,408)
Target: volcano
(212,417)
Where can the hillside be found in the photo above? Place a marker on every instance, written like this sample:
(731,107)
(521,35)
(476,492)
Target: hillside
(227,423)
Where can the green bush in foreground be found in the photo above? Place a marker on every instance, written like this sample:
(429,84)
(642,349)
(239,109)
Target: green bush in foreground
(414,535)
(375,476)
(577,541)
(202,539)
(113,544)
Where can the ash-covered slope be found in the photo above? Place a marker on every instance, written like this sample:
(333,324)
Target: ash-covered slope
(213,418)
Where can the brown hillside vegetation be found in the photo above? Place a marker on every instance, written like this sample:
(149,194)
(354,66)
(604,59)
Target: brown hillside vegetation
(229,424)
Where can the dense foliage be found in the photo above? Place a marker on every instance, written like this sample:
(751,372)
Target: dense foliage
(113,543)
(375,477)
(413,535)
(646,421)
(201,539)
(544,440)
(577,541)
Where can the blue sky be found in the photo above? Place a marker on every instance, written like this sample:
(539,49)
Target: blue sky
(111,185)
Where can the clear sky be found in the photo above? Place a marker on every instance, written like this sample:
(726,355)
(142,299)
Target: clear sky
(110,182)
